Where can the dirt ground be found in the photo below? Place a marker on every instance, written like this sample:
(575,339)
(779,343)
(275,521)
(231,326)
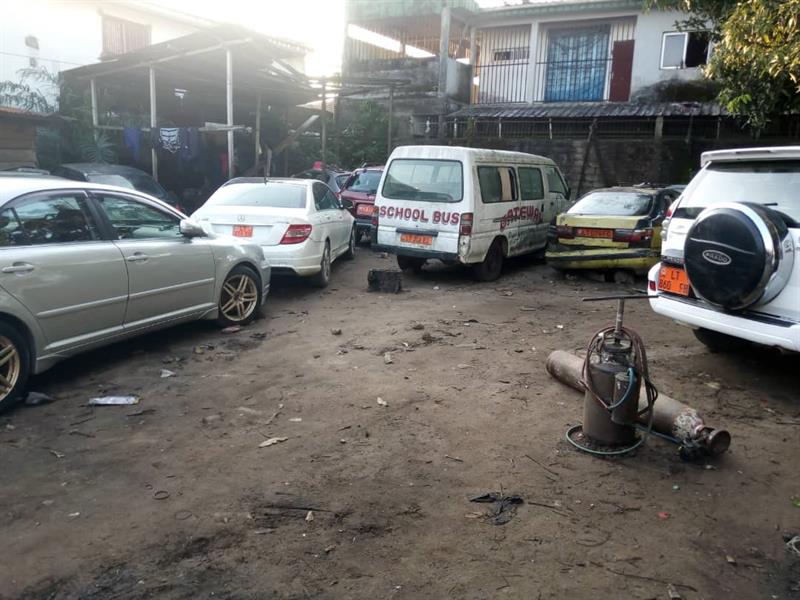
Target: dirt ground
(174,498)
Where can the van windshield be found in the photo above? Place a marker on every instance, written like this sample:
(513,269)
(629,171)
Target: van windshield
(773,183)
(424,180)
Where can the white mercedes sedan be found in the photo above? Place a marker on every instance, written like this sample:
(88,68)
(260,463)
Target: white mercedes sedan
(300,224)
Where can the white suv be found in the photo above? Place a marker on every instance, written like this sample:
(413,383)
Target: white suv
(728,262)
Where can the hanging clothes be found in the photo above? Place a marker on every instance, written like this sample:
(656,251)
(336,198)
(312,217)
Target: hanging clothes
(191,144)
(132,140)
(169,139)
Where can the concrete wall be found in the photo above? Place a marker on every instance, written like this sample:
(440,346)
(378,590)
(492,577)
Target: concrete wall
(70,34)
(614,161)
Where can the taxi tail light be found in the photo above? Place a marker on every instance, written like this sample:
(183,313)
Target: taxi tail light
(565,232)
(297,233)
(466,224)
(641,237)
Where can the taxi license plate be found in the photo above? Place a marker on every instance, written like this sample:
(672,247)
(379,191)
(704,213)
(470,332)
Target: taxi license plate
(673,280)
(364,210)
(243,230)
(412,238)
(588,232)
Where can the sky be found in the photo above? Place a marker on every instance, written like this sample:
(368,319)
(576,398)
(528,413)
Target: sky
(317,23)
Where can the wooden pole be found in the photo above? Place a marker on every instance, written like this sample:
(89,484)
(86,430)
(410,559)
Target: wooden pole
(95,115)
(324,116)
(153,123)
(391,117)
(229,104)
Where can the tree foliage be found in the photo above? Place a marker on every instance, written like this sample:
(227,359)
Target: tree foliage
(756,57)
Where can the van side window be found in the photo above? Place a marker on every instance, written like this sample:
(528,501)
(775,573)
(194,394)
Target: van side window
(555,184)
(530,183)
(497,184)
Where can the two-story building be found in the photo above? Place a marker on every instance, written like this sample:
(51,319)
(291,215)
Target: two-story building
(578,80)
(57,36)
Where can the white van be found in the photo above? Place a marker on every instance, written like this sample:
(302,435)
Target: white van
(466,205)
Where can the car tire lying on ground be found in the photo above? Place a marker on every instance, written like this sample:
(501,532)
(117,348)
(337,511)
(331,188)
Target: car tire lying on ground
(492,266)
(410,263)
(240,298)
(720,342)
(15,364)
(323,278)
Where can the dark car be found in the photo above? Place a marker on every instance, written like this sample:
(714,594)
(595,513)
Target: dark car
(358,196)
(334,179)
(119,175)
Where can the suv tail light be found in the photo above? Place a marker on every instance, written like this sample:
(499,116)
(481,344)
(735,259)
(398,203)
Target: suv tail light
(466,224)
(297,233)
(633,236)
(565,231)
(667,219)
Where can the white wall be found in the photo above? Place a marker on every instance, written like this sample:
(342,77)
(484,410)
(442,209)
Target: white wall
(650,29)
(647,33)
(70,34)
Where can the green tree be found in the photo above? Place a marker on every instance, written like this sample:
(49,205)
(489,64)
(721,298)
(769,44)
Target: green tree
(756,58)
(363,134)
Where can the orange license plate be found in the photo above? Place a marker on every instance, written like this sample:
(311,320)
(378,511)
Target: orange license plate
(364,210)
(673,280)
(412,238)
(588,232)
(243,230)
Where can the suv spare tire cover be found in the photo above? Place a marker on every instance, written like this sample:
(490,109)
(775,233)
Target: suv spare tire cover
(737,254)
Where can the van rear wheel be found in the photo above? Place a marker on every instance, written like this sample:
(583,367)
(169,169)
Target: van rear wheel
(492,266)
(410,263)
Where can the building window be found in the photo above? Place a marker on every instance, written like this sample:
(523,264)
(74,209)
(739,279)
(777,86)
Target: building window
(685,49)
(121,36)
(577,62)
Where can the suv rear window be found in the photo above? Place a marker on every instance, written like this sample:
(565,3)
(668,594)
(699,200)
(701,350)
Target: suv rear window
(270,195)
(424,180)
(772,183)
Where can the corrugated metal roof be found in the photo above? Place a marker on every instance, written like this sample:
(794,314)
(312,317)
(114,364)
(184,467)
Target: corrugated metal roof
(590,110)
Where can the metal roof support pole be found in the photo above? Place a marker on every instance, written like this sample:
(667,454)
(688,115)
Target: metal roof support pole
(229,104)
(93,88)
(444,50)
(324,116)
(391,118)
(500,128)
(257,137)
(153,123)
(659,133)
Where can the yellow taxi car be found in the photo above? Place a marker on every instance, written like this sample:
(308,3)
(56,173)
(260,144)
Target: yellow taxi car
(612,229)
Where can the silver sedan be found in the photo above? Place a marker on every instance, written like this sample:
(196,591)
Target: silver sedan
(83,265)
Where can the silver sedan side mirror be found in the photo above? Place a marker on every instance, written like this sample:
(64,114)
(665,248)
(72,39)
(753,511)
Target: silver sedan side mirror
(190,229)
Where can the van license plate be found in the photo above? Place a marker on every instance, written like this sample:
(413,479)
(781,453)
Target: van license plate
(673,280)
(589,232)
(412,238)
(243,230)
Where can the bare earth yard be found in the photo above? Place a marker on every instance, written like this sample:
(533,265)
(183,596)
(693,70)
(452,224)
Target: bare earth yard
(174,498)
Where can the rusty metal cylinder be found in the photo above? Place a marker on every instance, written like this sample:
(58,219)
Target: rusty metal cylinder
(670,417)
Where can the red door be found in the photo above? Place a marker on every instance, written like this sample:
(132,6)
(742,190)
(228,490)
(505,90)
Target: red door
(621,66)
